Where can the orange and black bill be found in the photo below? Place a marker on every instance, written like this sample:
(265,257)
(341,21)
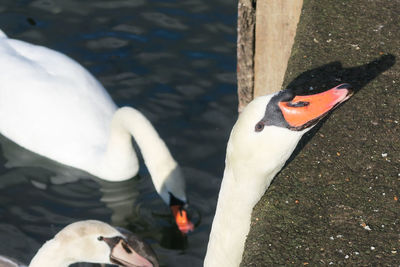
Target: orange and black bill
(298,112)
(181,219)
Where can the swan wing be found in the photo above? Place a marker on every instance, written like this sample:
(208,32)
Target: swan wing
(52,105)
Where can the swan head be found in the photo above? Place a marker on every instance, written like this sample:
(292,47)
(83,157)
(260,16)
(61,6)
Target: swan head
(172,190)
(269,128)
(97,242)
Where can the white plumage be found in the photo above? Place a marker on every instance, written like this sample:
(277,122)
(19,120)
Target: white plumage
(53,106)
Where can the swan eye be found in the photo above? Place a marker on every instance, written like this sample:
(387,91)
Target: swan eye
(100,238)
(259,126)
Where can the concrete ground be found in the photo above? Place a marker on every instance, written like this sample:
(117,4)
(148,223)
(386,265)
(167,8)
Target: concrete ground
(337,201)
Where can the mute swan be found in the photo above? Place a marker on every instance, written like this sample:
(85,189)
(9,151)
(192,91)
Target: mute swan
(263,138)
(54,107)
(94,242)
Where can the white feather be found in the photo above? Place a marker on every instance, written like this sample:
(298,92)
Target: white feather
(53,106)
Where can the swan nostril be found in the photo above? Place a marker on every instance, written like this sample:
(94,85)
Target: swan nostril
(298,104)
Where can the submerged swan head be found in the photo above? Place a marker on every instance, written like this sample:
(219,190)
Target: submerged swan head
(121,162)
(94,242)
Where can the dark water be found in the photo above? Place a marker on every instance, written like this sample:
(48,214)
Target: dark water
(174,61)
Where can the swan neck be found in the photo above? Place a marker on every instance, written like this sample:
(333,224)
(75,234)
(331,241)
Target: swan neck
(240,191)
(49,255)
(129,122)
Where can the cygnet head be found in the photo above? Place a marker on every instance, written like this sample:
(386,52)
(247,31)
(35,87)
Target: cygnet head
(270,127)
(97,242)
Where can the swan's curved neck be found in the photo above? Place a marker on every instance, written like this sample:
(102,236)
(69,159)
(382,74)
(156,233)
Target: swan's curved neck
(49,256)
(247,176)
(120,156)
(238,195)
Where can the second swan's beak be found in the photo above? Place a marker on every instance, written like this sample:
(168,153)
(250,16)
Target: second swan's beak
(181,219)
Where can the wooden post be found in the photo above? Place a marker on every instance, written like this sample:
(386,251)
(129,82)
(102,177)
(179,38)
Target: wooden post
(245,51)
(261,71)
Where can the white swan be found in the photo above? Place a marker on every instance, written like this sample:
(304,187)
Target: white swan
(93,242)
(263,138)
(53,106)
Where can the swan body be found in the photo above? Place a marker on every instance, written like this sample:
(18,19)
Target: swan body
(263,138)
(51,105)
(54,107)
(93,242)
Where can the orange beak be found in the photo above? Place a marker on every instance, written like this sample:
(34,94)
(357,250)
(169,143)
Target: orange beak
(181,219)
(303,110)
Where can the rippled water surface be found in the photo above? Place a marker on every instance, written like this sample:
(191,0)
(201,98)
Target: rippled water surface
(172,60)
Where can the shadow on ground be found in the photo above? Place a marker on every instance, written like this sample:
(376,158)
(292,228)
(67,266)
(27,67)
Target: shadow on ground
(330,75)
